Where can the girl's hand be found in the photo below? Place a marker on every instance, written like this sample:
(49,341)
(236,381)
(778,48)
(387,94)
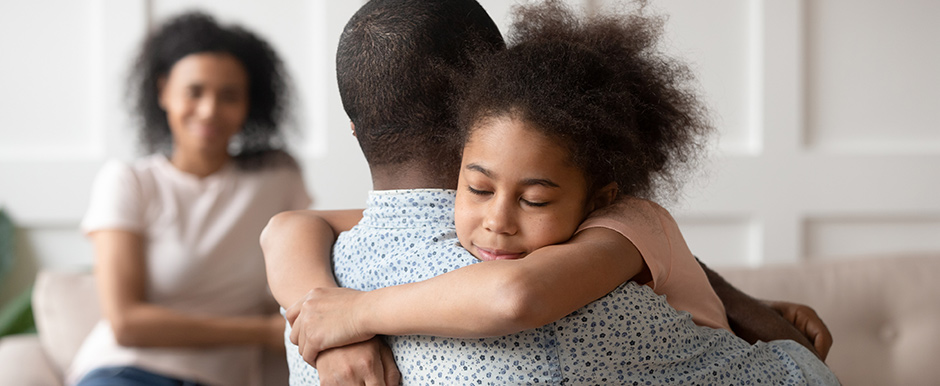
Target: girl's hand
(326,318)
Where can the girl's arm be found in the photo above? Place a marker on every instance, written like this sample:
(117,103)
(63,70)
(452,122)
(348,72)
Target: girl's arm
(484,299)
(120,271)
(297,246)
(499,297)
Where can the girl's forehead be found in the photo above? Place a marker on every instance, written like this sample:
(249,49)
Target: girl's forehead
(509,127)
(519,135)
(511,143)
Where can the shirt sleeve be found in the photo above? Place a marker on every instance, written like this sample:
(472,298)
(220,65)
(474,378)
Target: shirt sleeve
(638,221)
(116,200)
(675,272)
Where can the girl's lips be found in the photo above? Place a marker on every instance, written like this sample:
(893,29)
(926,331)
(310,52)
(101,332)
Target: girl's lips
(496,254)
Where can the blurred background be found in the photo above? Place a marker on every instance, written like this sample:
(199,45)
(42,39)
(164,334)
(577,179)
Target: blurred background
(828,115)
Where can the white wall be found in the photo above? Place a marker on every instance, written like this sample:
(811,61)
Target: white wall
(829,115)
(827,111)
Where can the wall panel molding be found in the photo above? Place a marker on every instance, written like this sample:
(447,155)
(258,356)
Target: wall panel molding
(817,135)
(872,84)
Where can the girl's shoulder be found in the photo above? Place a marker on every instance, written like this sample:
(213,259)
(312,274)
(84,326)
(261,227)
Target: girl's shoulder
(630,209)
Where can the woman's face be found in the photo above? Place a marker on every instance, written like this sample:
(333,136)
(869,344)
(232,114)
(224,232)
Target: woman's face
(517,191)
(205,97)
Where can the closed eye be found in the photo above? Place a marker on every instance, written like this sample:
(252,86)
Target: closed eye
(478,192)
(533,203)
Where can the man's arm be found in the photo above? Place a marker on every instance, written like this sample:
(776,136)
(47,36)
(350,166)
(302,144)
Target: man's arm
(754,320)
(807,321)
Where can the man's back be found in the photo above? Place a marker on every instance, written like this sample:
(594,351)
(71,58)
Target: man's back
(407,236)
(630,335)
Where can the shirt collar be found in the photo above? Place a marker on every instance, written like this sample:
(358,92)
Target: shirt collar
(407,207)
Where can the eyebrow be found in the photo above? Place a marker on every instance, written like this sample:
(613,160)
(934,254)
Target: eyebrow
(527,182)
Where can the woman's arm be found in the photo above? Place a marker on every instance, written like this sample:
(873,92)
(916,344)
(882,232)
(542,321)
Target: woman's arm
(120,271)
(297,246)
(485,299)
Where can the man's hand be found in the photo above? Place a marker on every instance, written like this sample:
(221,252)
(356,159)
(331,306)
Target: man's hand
(364,363)
(754,320)
(808,322)
(325,318)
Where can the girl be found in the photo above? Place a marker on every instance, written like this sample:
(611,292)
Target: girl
(179,272)
(560,125)
(576,120)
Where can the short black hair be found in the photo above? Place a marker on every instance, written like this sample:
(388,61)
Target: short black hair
(261,139)
(626,112)
(394,66)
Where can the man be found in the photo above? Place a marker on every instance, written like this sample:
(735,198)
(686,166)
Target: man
(394,66)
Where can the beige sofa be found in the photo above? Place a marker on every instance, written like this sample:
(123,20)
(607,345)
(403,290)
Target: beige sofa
(65,306)
(884,314)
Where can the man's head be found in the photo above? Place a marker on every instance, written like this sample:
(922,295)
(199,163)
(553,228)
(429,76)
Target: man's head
(394,65)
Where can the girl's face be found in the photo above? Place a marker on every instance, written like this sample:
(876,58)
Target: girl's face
(205,97)
(517,191)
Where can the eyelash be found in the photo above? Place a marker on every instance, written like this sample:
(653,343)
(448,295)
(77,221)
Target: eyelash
(524,201)
(477,192)
(534,204)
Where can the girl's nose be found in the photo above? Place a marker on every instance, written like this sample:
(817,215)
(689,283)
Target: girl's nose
(500,217)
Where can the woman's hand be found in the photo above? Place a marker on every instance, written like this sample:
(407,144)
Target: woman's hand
(326,318)
(808,322)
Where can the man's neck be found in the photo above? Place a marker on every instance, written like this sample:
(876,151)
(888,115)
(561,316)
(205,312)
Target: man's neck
(396,177)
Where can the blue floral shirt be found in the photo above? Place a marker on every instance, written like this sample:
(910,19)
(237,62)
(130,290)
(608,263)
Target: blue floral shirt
(630,336)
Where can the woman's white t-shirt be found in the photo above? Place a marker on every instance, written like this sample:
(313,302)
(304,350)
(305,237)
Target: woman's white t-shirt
(202,257)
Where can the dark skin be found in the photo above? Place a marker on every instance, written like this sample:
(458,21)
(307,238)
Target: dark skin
(753,320)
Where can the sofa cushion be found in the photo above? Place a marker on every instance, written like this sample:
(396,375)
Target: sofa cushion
(65,306)
(22,362)
(883,312)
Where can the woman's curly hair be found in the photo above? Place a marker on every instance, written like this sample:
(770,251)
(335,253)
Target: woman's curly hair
(260,141)
(625,111)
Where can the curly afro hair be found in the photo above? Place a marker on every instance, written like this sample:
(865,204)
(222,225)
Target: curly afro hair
(625,111)
(260,141)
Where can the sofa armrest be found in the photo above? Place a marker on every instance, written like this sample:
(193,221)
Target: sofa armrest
(65,305)
(22,362)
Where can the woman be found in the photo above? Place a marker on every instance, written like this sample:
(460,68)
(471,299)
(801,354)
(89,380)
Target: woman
(179,270)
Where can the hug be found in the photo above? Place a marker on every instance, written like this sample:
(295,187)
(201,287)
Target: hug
(533,213)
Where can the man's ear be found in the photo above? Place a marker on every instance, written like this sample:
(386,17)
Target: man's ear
(603,197)
(352,126)
(161,85)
